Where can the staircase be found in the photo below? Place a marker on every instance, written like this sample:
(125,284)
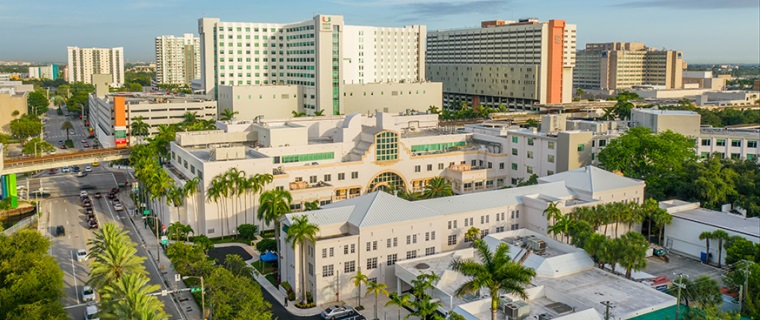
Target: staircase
(361,147)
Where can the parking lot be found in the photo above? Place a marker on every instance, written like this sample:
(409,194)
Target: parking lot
(683,264)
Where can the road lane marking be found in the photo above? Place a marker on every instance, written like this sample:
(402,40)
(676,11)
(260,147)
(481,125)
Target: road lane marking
(74,272)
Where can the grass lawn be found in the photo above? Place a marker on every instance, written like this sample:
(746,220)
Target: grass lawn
(267,267)
(272,279)
(231,239)
(69,143)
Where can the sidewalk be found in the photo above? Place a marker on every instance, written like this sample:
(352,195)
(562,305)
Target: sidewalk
(184,300)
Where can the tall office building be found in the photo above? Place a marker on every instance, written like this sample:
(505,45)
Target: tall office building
(178,59)
(84,62)
(315,61)
(44,72)
(623,65)
(514,63)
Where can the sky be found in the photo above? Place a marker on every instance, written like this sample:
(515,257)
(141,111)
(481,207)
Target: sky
(707,31)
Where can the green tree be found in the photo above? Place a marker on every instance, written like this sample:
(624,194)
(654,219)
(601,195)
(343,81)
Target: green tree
(134,87)
(237,266)
(532,180)
(179,231)
(399,301)
(138,127)
(128,298)
(37,101)
(376,289)
(357,280)
(248,231)
(266,245)
(633,255)
(437,187)
(63,90)
(119,259)
(579,93)
(26,126)
(552,212)
(532,123)
(424,305)
(703,292)
(66,125)
(227,115)
(204,243)
(300,231)
(37,147)
(472,234)
(622,109)
(273,204)
(311,205)
(721,236)
(710,182)
(707,236)
(656,158)
(235,297)
(494,271)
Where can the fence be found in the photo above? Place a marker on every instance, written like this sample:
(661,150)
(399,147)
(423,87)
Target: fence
(21,225)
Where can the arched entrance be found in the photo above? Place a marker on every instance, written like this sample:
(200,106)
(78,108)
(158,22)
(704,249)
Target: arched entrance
(386,181)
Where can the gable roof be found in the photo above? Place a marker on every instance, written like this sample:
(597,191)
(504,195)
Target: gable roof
(591,179)
(379,208)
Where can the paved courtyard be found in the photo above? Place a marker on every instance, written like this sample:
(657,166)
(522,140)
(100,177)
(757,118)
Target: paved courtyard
(683,264)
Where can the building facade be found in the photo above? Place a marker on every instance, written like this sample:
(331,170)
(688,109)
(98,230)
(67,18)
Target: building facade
(373,232)
(623,65)
(321,56)
(178,59)
(44,72)
(512,63)
(84,62)
(13,98)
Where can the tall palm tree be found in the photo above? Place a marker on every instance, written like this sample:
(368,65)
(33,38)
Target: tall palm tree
(129,298)
(472,234)
(215,193)
(358,280)
(257,183)
(403,300)
(552,212)
(235,183)
(191,188)
(273,204)
(66,125)
(661,218)
(299,232)
(623,109)
(720,235)
(494,271)
(633,255)
(108,234)
(562,225)
(189,118)
(138,127)
(227,115)
(437,187)
(376,289)
(175,195)
(119,259)
(311,205)
(707,236)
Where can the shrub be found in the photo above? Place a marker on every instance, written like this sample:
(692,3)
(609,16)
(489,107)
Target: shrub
(267,233)
(266,244)
(305,305)
(248,231)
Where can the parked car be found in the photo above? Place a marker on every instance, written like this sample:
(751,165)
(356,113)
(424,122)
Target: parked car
(335,312)
(95,164)
(81,255)
(118,207)
(60,231)
(93,224)
(91,313)
(98,195)
(82,193)
(88,294)
(88,169)
(66,169)
(88,210)
(114,190)
(87,204)
(111,196)
(63,146)
(75,168)
(84,140)
(116,201)
(52,171)
(91,217)
(81,174)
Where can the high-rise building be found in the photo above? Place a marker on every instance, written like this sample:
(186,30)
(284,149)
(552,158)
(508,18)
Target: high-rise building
(623,65)
(84,62)
(321,59)
(44,72)
(512,63)
(178,59)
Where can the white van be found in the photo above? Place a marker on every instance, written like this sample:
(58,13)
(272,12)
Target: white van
(91,313)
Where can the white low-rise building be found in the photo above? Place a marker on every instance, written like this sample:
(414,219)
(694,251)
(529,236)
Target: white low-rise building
(373,232)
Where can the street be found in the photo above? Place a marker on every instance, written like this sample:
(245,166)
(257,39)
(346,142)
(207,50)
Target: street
(54,134)
(63,206)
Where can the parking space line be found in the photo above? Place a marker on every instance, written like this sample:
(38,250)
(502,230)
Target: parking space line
(74,273)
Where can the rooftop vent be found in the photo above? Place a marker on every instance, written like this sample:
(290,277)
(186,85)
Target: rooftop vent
(422,266)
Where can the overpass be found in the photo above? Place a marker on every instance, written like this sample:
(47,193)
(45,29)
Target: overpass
(11,166)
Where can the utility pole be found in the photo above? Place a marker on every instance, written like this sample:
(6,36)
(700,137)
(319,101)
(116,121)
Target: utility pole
(680,286)
(608,305)
(742,288)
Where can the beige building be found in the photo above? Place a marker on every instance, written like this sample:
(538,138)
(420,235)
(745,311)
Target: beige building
(178,59)
(684,122)
(321,55)
(623,65)
(512,63)
(703,80)
(13,95)
(84,62)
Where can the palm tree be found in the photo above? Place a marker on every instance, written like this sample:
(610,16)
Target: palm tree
(129,298)
(562,225)
(623,109)
(175,195)
(633,253)
(297,114)
(472,234)
(376,289)
(311,205)
(319,113)
(300,231)
(66,125)
(494,271)
(552,212)
(227,115)
(437,187)
(609,114)
(189,118)
(190,190)
(119,259)
(273,204)
(579,92)
(257,184)
(661,218)
(217,191)
(138,127)
(358,280)
(706,235)
(403,300)
(720,235)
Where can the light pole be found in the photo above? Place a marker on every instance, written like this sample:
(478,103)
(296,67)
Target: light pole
(203,295)
(680,286)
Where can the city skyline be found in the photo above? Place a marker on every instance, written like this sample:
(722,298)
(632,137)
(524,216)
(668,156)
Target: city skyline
(706,31)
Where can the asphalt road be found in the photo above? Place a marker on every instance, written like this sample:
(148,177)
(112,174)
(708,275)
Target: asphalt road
(54,134)
(64,208)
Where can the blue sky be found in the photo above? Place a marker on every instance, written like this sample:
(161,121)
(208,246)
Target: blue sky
(708,31)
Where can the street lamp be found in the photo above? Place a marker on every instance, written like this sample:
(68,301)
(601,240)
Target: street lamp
(203,295)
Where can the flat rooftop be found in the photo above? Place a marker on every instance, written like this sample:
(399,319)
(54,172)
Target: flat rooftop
(204,154)
(728,221)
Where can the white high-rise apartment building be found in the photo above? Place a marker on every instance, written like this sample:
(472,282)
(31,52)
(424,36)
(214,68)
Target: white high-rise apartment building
(514,63)
(84,62)
(320,56)
(178,59)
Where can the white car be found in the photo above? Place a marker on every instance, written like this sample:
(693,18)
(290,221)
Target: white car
(82,193)
(81,255)
(88,293)
(88,169)
(336,311)
(118,207)
(66,169)
(91,313)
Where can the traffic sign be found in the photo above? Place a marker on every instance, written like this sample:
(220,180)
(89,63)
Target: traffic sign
(177,277)
(164,240)
(146,212)
(196,289)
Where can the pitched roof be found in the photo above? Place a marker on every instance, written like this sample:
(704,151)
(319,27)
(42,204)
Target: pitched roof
(591,179)
(378,208)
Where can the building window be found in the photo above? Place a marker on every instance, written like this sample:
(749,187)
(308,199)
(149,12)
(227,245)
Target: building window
(388,243)
(581,147)
(736,143)
(550,158)
(324,253)
(501,166)
(371,263)
(349,267)
(483,233)
(515,226)
(345,249)
(328,177)
(386,145)
(514,166)
(411,254)
(530,141)
(417,168)
(530,154)
(529,169)
(395,241)
(328,271)
(751,144)
(499,229)
(514,151)
(430,251)
(392,258)
(355,175)
(432,235)
(353,248)
(408,239)
(706,142)
(332,252)
(452,240)
(311,269)
(341,176)
(427,236)
(551,145)
(514,139)
(440,166)
(369,245)
(720,142)
(430,167)
(602,143)
(414,238)
(736,155)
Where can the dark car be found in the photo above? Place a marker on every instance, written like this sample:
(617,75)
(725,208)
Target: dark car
(76,168)
(114,190)
(87,204)
(88,210)
(63,146)
(90,217)
(93,224)
(60,231)
(116,201)
(98,195)
(111,196)
(52,171)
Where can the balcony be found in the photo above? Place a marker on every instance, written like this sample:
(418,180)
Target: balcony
(301,185)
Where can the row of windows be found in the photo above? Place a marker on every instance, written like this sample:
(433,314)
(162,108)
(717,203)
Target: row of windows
(734,143)
(469,222)
(722,155)
(305,157)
